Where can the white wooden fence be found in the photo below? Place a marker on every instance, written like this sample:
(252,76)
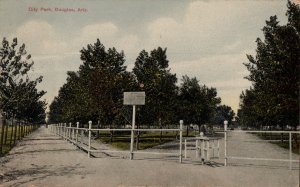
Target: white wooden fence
(76,136)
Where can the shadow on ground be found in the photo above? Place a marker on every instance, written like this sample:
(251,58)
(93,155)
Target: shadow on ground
(37,173)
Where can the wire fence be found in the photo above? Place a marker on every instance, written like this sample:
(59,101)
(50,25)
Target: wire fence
(12,131)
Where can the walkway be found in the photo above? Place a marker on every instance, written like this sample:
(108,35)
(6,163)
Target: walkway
(43,159)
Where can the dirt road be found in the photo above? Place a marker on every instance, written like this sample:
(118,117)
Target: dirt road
(43,159)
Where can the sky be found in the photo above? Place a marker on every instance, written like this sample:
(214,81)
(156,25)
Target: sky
(207,39)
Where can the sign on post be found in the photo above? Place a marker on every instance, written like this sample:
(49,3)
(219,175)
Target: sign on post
(134,98)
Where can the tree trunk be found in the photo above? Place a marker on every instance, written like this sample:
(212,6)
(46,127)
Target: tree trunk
(111,134)
(295,142)
(187,130)
(160,125)
(282,128)
(98,132)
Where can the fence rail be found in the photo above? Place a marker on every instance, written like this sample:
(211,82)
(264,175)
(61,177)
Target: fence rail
(76,136)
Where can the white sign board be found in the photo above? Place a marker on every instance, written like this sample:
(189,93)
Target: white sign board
(134,98)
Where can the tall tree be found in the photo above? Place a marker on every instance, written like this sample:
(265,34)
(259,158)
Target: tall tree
(274,73)
(18,94)
(95,92)
(154,77)
(223,112)
(197,102)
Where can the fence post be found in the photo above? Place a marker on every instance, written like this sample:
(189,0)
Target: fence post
(81,136)
(60,130)
(72,132)
(11,132)
(290,147)
(65,131)
(21,130)
(15,131)
(77,126)
(70,125)
(185,147)
(90,133)
(180,141)
(197,148)
(6,133)
(132,133)
(2,118)
(225,141)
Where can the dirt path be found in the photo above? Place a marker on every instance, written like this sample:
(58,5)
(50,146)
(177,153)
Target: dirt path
(43,159)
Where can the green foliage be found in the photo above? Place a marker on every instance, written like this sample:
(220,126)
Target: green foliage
(223,112)
(273,98)
(19,96)
(154,77)
(95,92)
(197,102)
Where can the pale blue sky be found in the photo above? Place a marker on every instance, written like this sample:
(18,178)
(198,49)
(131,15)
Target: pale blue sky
(208,39)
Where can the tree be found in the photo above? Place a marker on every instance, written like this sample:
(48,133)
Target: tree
(95,92)
(19,96)
(274,74)
(154,77)
(223,112)
(197,102)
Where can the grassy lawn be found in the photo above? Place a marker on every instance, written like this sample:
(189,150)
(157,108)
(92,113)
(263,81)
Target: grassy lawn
(146,139)
(284,144)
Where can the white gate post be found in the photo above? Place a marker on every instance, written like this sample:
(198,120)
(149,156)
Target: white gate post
(180,141)
(225,141)
(77,126)
(70,125)
(65,128)
(197,148)
(290,146)
(132,132)
(185,147)
(81,135)
(90,134)
(61,130)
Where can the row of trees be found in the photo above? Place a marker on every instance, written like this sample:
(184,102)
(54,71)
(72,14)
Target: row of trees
(95,91)
(273,99)
(19,97)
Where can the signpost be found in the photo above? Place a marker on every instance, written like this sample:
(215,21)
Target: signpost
(133,98)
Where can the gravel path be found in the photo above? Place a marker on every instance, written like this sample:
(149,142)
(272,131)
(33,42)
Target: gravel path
(43,159)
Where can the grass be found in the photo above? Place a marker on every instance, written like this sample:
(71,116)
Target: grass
(146,140)
(284,144)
